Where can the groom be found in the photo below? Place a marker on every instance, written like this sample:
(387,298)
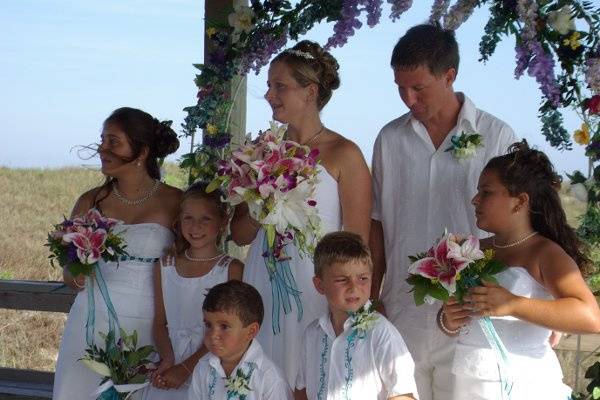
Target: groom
(420,189)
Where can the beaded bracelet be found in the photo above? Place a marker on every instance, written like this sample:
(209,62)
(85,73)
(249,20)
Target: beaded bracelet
(77,285)
(443,327)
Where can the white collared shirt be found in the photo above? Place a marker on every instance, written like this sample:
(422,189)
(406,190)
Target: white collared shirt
(266,380)
(418,192)
(380,364)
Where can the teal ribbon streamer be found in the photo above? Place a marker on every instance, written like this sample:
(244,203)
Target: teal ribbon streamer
(110,394)
(283,287)
(113,321)
(501,353)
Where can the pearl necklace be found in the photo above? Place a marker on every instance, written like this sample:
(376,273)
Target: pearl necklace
(139,200)
(190,258)
(515,243)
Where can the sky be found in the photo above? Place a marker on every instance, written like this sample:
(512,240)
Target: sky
(67,64)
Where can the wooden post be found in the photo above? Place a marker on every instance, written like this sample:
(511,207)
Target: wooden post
(218,11)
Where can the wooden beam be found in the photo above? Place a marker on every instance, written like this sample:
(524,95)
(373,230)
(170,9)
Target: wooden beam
(36,296)
(27,383)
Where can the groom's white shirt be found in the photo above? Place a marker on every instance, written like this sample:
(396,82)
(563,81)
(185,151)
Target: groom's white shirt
(419,191)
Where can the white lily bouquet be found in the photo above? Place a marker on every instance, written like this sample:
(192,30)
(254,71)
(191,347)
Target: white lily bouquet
(277,179)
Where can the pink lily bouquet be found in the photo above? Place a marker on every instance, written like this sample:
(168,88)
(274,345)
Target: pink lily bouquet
(453,265)
(277,179)
(80,242)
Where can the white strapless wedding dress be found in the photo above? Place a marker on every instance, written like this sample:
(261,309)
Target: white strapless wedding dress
(131,290)
(284,348)
(534,367)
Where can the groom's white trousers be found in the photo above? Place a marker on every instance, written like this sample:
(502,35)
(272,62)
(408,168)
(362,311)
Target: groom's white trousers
(431,350)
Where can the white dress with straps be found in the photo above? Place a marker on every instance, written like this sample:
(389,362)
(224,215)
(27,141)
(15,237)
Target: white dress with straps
(182,299)
(130,287)
(534,367)
(284,347)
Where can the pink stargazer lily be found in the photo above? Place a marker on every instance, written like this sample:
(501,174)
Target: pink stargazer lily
(89,244)
(439,264)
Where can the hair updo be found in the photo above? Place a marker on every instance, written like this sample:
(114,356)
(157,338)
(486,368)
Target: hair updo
(144,131)
(526,170)
(310,63)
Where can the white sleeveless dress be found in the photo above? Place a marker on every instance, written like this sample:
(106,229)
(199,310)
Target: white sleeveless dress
(182,299)
(284,348)
(534,367)
(130,287)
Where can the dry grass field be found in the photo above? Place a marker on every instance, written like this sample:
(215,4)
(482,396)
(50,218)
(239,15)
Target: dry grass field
(32,200)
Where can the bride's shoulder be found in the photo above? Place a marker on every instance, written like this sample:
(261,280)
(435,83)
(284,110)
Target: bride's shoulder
(88,199)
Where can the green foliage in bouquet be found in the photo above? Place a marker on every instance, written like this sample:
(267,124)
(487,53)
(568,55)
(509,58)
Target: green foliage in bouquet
(120,361)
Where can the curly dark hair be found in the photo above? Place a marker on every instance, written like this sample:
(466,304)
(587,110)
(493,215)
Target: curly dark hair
(526,170)
(142,131)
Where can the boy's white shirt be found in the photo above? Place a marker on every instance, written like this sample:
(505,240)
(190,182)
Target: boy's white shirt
(266,382)
(382,366)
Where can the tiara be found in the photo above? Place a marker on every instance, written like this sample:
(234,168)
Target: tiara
(300,53)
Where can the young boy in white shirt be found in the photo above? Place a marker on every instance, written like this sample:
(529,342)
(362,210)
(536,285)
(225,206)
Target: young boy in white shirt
(352,352)
(235,367)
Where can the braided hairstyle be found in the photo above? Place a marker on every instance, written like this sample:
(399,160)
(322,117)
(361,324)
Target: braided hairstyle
(142,131)
(310,63)
(526,170)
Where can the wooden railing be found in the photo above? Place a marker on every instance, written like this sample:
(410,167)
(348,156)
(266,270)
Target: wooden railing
(34,296)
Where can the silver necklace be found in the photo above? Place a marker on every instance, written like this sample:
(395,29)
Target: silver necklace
(139,200)
(315,136)
(515,243)
(190,258)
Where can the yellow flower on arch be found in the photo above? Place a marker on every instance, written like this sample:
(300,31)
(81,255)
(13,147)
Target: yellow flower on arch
(211,129)
(573,41)
(582,135)
(210,32)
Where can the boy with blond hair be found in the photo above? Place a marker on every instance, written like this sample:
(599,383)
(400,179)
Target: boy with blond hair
(351,352)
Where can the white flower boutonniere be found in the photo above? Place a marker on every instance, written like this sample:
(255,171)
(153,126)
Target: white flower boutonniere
(239,385)
(465,145)
(363,320)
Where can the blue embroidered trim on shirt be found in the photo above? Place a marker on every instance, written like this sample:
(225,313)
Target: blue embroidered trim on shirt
(351,339)
(322,375)
(213,382)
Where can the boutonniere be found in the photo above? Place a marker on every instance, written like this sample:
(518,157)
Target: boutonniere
(363,320)
(465,145)
(239,385)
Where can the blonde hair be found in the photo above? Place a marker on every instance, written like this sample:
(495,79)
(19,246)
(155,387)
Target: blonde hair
(310,63)
(340,247)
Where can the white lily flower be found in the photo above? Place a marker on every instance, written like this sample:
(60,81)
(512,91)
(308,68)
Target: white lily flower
(241,19)
(579,191)
(96,366)
(561,20)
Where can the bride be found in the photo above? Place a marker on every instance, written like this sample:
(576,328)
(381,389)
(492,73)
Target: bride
(132,141)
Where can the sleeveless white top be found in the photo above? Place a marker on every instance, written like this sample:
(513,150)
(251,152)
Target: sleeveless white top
(182,299)
(284,348)
(533,364)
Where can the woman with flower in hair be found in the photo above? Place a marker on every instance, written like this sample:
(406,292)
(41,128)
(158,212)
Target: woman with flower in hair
(541,290)
(300,83)
(132,142)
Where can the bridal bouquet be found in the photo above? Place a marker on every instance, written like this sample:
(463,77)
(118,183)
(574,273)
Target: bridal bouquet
(122,364)
(277,179)
(450,267)
(80,242)
(453,265)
